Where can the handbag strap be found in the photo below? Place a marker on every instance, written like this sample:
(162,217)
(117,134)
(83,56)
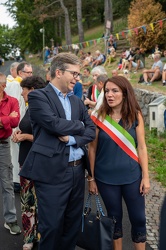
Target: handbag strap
(98,205)
(88,205)
(88,208)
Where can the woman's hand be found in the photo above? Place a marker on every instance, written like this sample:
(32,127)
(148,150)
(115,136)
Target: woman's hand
(19,137)
(93,187)
(87,101)
(145,186)
(14,135)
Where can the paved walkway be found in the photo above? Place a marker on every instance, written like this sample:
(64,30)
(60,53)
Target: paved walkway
(153,205)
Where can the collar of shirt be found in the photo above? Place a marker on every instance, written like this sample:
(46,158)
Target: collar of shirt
(18,79)
(58,92)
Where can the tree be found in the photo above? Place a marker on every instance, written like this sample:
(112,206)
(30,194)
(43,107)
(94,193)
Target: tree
(108,21)
(67,24)
(120,8)
(79,21)
(143,13)
(7,40)
(108,13)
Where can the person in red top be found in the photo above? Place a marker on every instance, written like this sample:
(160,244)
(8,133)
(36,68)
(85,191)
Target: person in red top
(9,118)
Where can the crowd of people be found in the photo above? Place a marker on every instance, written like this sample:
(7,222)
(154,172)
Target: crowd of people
(53,129)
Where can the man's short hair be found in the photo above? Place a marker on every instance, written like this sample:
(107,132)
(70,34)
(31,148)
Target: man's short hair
(21,66)
(87,69)
(98,70)
(102,78)
(157,55)
(97,52)
(62,60)
(14,65)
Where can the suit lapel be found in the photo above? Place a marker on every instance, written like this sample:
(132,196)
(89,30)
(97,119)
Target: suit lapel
(74,107)
(54,101)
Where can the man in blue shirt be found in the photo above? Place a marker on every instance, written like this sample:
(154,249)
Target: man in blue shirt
(57,160)
(78,89)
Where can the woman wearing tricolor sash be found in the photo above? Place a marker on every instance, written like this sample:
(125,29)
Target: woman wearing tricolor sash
(118,159)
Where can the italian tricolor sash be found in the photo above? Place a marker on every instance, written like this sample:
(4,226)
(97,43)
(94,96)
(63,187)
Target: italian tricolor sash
(118,134)
(95,93)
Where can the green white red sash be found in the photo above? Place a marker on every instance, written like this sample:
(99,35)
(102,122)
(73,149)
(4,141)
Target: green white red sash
(124,140)
(95,93)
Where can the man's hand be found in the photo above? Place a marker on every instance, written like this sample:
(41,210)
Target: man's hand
(64,138)
(13,114)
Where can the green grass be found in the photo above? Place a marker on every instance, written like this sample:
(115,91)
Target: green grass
(156,144)
(119,25)
(90,34)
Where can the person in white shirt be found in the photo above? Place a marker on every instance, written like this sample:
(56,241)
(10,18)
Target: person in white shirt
(155,73)
(99,59)
(18,72)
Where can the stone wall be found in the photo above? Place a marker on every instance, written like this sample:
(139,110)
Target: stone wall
(144,97)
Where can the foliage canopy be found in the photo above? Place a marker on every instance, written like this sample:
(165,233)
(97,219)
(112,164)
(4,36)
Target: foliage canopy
(143,13)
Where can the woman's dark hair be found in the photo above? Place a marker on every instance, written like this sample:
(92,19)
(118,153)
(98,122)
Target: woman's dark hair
(35,82)
(130,106)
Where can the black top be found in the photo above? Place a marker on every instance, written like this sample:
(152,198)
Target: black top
(113,166)
(26,128)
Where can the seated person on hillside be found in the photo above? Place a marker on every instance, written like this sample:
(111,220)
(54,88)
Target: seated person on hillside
(110,56)
(164,72)
(155,73)
(164,53)
(156,50)
(88,60)
(82,55)
(136,61)
(128,54)
(142,55)
(115,72)
(87,80)
(99,59)
(122,56)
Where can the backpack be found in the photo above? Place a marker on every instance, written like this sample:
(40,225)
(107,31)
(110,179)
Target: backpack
(141,79)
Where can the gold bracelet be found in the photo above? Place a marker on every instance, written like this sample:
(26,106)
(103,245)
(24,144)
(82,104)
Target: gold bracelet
(92,179)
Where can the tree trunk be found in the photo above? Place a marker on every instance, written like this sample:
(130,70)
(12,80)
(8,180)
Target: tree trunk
(108,18)
(108,13)
(60,27)
(79,21)
(67,24)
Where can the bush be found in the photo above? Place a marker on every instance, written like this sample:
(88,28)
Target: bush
(143,13)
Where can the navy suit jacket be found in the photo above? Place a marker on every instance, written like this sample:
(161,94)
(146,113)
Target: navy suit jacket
(48,157)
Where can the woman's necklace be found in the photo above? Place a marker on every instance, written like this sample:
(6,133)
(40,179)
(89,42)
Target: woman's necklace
(115,118)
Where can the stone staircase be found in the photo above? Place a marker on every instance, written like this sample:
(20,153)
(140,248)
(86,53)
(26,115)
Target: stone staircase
(121,44)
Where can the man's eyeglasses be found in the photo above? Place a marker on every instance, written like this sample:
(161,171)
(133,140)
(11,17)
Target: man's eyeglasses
(27,72)
(74,73)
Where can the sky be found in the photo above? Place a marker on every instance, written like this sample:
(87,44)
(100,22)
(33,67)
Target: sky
(4,16)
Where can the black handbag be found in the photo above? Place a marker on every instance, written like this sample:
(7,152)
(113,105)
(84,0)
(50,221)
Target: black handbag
(97,229)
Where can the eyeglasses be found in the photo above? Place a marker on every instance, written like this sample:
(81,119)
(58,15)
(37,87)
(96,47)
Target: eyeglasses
(28,72)
(74,73)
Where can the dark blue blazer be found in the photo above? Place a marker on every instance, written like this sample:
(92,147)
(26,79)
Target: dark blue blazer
(48,157)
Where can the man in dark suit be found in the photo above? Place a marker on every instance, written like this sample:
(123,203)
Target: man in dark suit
(56,161)
(162,234)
